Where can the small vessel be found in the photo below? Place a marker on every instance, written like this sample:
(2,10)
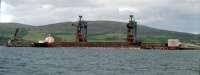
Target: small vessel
(45,43)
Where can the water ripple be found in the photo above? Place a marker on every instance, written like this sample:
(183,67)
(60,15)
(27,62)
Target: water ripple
(97,61)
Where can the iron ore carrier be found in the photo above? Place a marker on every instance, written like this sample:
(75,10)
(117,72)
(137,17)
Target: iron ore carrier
(81,39)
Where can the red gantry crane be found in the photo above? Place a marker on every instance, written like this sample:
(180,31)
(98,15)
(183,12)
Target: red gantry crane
(132,30)
(81,33)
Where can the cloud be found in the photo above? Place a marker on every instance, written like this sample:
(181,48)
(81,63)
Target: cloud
(4,17)
(177,15)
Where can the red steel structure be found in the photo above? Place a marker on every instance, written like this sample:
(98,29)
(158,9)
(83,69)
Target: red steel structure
(81,32)
(132,30)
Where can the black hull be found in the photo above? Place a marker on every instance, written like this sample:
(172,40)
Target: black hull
(41,45)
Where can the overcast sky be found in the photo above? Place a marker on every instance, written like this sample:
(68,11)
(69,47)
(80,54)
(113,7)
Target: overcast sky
(176,15)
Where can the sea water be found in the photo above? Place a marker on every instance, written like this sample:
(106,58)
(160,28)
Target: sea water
(97,61)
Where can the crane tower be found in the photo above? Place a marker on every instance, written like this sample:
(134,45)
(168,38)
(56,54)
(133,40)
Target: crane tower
(132,30)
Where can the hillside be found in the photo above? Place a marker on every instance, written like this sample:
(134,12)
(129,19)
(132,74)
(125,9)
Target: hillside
(97,31)
(7,30)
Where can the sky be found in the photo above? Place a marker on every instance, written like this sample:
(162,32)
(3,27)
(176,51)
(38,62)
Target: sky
(175,15)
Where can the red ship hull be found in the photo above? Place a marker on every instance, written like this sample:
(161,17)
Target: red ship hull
(86,44)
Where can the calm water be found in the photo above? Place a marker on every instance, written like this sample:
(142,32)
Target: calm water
(97,61)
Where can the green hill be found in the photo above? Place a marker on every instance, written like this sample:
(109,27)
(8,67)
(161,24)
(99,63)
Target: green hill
(97,31)
(7,30)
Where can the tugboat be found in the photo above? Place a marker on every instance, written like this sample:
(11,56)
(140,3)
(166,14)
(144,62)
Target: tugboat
(45,43)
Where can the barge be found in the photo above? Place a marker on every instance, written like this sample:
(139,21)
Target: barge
(81,39)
